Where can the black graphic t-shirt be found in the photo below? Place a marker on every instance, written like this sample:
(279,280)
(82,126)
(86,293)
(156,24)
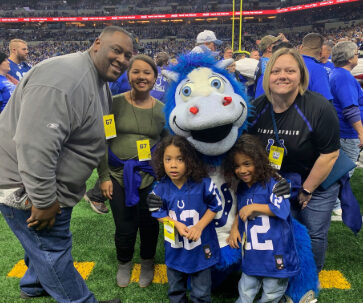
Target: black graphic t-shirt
(309,127)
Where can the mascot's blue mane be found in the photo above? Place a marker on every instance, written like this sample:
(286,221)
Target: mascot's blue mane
(186,64)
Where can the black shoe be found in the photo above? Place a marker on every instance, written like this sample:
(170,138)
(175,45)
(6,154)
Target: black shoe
(98,207)
(24,295)
(111,301)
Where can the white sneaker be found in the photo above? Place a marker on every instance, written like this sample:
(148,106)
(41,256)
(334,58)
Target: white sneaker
(337,212)
(337,215)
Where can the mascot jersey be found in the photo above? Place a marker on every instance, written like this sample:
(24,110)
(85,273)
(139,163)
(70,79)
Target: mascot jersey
(269,250)
(188,205)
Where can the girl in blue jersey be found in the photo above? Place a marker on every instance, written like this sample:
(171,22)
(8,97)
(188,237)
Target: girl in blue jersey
(269,255)
(190,201)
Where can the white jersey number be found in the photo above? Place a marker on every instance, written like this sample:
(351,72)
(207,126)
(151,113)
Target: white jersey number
(184,215)
(259,229)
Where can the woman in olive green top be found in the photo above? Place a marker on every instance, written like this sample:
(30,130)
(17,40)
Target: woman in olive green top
(125,178)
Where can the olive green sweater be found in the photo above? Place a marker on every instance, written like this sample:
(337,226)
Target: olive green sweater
(132,124)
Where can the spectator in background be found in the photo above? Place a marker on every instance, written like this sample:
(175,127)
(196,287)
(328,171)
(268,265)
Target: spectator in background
(325,57)
(7,86)
(206,43)
(18,54)
(238,55)
(318,77)
(348,101)
(228,53)
(265,46)
(120,86)
(161,84)
(255,54)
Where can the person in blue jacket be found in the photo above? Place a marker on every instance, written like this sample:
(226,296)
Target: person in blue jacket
(190,202)
(318,77)
(348,98)
(161,84)
(18,54)
(265,232)
(325,57)
(266,44)
(348,101)
(6,85)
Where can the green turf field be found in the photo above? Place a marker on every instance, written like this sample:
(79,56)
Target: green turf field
(93,242)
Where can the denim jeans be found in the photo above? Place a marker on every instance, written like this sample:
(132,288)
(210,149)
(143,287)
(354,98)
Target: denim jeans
(201,284)
(249,286)
(48,257)
(316,217)
(350,147)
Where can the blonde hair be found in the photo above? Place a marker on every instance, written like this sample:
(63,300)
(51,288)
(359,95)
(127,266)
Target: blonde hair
(14,42)
(304,74)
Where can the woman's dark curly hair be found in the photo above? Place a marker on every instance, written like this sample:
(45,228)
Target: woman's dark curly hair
(195,168)
(250,146)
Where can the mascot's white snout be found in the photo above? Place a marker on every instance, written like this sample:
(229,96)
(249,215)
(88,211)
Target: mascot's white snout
(208,112)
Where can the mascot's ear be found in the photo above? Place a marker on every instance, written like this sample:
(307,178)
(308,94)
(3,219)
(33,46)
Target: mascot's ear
(169,75)
(224,63)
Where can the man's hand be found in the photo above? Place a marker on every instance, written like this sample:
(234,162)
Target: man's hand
(304,200)
(154,202)
(360,145)
(107,189)
(43,218)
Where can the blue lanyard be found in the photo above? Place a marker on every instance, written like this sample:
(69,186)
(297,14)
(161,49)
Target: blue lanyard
(275,126)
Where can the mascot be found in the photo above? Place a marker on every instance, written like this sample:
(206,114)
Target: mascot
(206,105)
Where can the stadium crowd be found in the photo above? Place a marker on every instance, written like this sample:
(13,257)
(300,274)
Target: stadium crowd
(61,8)
(108,7)
(55,43)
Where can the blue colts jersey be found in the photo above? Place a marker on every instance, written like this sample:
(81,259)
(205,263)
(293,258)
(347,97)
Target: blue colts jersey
(269,250)
(188,205)
(18,70)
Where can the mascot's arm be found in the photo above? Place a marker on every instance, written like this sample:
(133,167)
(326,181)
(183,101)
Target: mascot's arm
(234,236)
(282,188)
(154,202)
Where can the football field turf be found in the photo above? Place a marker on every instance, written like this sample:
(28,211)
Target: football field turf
(95,258)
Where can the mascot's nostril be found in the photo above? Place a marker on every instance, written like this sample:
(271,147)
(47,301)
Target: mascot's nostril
(194,110)
(227,101)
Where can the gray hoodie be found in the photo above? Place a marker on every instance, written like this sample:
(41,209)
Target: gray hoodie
(51,131)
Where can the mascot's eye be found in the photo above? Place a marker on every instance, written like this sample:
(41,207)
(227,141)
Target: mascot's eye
(186,91)
(216,83)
